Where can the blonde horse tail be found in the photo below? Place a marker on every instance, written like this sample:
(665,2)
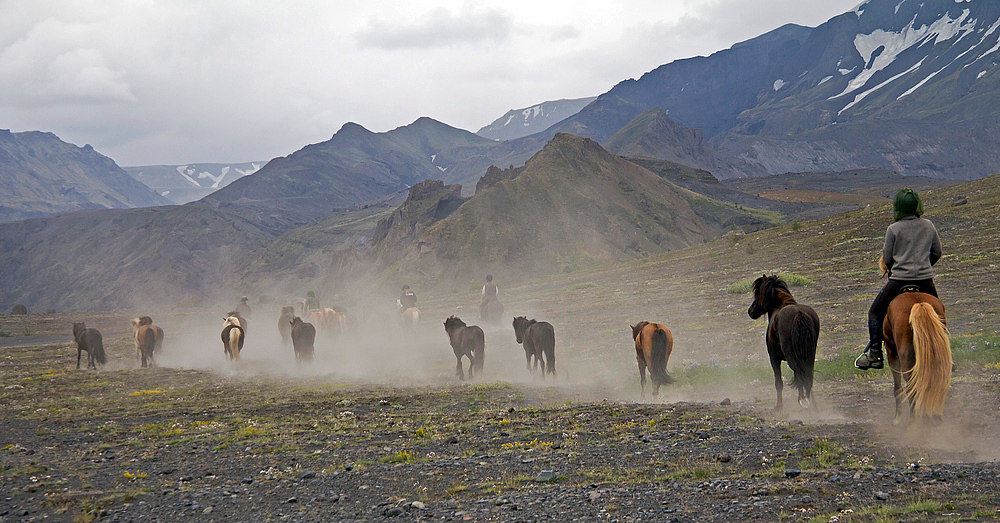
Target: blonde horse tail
(927,386)
(236,342)
(415,317)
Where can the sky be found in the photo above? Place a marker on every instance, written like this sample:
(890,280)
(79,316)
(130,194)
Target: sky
(185,81)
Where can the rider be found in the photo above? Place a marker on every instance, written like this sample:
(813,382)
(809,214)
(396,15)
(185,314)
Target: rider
(243,309)
(911,247)
(312,303)
(490,292)
(407,299)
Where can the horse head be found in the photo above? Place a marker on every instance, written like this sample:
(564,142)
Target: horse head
(78,328)
(521,325)
(453,323)
(145,320)
(637,328)
(759,304)
(295,321)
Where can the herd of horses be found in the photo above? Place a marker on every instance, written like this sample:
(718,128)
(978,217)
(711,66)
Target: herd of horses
(915,334)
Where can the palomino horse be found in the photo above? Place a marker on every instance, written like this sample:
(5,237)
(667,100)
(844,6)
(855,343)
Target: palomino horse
(233,336)
(285,325)
(919,352)
(538,338)
(653,345)
(792,332)
(410,317)
(303,339)
(469,341)
(89,340)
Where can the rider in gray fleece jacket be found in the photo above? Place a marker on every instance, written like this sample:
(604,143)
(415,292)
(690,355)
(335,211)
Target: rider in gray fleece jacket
(911,248)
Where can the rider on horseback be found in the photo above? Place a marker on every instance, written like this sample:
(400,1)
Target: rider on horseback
(911,247)
(312,303)
(490,292)
(243,308)
(407,299)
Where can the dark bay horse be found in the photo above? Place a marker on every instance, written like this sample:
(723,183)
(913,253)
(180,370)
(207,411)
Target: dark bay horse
(285,325)
(538,338)
(303,339)
(792,333)
(492,311)
(653,345)
(89,340)
(469,341)
(919,352)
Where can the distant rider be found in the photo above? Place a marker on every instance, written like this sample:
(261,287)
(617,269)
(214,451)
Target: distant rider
(911,247)
(312,303)
(243,309)
(407,299)
(490,292)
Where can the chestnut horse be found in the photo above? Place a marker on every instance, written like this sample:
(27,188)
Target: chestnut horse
(919,352)
(792,333)
(139,322)
(538,338)
(469,341)
(233,336)
(653,345)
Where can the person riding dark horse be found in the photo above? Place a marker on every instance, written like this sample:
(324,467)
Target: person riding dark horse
(911,248)
(312,303)
(490,292)
(407,299)
(243,308)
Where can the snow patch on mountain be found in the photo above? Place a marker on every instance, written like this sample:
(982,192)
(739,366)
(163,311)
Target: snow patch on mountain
(779,83)
(863,94)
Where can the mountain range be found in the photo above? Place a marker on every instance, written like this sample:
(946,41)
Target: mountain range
(518,123)
(189,182)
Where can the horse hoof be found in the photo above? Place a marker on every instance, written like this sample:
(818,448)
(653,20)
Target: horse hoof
(804,403)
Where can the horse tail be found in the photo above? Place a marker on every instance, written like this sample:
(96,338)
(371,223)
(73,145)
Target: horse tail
(804,335)
(150,342)
(927,385)
(658,365)
(97,345)
(480,349)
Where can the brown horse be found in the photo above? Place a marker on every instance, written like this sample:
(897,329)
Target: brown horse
(653,345)
(303,339)
(792,333)
(89,340)
(335,321)
(538,338)
(285,325)
(139,322)
(469,341)
(919,352)
(233,336)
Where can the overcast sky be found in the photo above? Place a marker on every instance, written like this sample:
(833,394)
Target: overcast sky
(185,81)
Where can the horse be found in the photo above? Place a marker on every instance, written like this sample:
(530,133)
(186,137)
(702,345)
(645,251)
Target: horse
(919,352)
(335,321)
(244,323)
(653,345)
(792,332)
(538,338)
(317,318)
(492,311)
(285,325)
(139,322)
(89,340)
(233,336)
(303,337)
(410,317)
(469,341)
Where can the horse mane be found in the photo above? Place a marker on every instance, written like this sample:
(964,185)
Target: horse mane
(772,292)
(454,320)
(145,320)
(637,328)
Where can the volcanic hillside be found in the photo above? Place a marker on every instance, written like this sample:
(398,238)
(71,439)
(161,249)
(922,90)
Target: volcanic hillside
(43,175)
(572,205)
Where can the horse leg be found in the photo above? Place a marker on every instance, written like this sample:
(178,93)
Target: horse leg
(472,363)
(527,358)
(642,376)
(778,384)
(79,352)
(458,366)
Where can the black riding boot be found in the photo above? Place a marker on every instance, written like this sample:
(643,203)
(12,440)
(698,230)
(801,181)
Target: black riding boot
(871,358)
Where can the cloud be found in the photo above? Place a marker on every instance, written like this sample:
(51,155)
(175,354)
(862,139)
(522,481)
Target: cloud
(82,75)
(438,28)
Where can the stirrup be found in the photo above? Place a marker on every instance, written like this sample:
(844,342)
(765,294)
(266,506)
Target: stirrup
(865,362)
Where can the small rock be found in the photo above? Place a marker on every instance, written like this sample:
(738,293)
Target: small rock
(807,499)
(545,476)
(187,478)
(792,473)
(453,440)
(959,201)
(208,510)
(292,499)
(247,481)
(726,402)
(349,467)
(594,496)
(418,505)
(882,496)
(308,474)
(393,512)
(164,472)
(724,458)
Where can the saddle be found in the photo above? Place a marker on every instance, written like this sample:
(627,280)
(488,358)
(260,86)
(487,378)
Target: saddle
(910,288)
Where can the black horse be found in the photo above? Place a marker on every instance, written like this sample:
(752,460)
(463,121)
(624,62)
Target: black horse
(89,340)
(792,332)
(303,339)
(538,338)
(469,341)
